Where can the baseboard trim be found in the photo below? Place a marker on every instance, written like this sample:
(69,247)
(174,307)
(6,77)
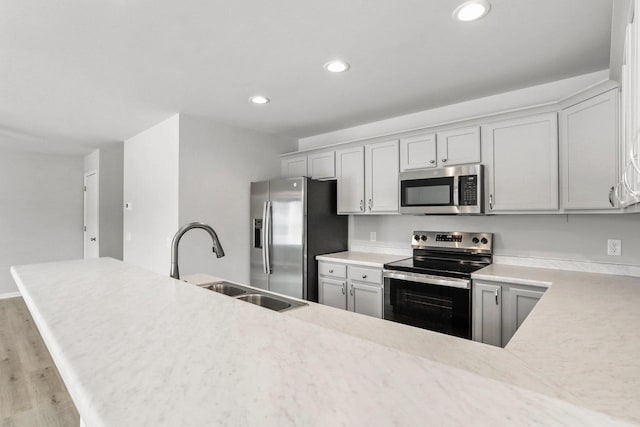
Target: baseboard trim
(10,295)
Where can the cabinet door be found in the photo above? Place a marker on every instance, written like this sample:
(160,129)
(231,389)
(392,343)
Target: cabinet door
(365,299)
(459,146)
(589,152)
(322,165)
(522,163)
(487,313)
(332,292)
(294,167)
(381,171)
(418,152)
(518,304)
(350,175)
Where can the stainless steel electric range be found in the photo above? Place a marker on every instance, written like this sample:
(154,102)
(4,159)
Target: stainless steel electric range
(432,289)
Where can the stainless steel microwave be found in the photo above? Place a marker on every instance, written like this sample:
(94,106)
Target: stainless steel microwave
(455,191)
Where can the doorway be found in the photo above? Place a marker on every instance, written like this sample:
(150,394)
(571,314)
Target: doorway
(91,231)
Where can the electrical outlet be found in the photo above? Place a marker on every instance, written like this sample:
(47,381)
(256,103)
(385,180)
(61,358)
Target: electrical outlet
(614,247)
(372,236)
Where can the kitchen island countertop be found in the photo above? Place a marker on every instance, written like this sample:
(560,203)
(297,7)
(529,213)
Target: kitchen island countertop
(134,347)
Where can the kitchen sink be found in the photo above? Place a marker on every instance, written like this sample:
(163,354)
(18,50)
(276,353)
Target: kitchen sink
(226,288)
(253,296)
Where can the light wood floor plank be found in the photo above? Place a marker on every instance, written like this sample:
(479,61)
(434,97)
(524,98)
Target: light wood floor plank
(31,390)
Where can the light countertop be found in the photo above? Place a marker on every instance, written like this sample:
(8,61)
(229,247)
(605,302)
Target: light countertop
(134,347)
(360,258)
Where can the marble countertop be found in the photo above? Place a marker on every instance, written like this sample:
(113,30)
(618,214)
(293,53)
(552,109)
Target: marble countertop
(138,348)
(584,335)
(360,258)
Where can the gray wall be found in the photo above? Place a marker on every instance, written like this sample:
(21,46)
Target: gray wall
(571,237)
(41,204)
(217,165)
(151,186)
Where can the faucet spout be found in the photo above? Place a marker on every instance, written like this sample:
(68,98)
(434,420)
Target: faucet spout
(217,247)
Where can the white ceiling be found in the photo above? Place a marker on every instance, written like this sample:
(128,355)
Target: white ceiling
(77,73)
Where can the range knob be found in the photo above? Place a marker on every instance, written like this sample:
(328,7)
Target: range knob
(475,240)
(484,241)
(423,238)
(416,237)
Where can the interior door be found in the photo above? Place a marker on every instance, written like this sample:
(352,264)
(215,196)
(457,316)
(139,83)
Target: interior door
(91,244)
(287,224)
(259,198)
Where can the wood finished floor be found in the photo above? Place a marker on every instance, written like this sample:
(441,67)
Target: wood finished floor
(31,390)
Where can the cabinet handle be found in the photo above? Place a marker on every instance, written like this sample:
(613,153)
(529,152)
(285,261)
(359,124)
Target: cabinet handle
(93,239)
(370,202)
(364,276)
(611,193)
(361,205)
(432,161)
(343,291)
(496,297)
(491,201)
(444,160)
(330,271)
(351,290)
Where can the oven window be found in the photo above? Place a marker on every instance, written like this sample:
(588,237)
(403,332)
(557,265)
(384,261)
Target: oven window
(427,192)
(437,308)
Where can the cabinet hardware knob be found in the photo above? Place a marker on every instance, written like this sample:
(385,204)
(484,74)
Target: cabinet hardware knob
(93,239)
(364,276)
(343,291)
(491,201)
(611,193)
(370,203)
(361,205)
(444,160)
(432,161)
(330,271)
(496,297)
(351,290)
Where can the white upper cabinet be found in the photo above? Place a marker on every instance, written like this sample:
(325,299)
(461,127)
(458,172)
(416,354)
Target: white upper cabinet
(589,153)
(418,152)
(350,174)
(322,165)
(459,146)
(294,167)
(381,177)
(521,161)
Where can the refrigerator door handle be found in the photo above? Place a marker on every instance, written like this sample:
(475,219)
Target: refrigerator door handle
(263,237)
(266,242)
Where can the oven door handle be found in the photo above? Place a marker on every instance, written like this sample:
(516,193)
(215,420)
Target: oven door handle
(427,279)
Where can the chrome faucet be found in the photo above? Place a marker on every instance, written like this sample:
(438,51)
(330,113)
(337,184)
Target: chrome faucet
(217,247)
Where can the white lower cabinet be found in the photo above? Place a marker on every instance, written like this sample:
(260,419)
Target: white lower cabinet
(332,292)
(356,288)
(499,309)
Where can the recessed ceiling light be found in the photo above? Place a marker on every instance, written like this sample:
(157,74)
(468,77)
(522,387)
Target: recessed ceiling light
(471,10)
(259,99)
(336,66)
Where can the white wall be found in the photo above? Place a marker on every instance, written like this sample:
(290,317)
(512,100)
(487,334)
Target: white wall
(217,165)
(111,192)
(151,186)
(514,100)
(40,210)
(570,237)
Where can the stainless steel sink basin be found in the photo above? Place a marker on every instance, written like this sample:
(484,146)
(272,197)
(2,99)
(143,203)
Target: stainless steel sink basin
(271,302)
(254,296)
(226,288)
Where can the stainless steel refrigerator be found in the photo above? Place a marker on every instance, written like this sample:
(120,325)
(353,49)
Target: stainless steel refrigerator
(292,221)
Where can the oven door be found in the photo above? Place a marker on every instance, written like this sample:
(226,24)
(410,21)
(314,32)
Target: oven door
(437,307)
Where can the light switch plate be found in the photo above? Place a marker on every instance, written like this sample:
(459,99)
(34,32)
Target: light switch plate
(614,247)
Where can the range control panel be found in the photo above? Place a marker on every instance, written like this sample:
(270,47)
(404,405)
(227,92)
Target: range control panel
(481,242)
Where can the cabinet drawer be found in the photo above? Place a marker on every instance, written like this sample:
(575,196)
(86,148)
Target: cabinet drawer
(333,270)
(368,275)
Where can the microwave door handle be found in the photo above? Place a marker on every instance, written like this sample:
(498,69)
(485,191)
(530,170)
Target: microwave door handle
(456,194)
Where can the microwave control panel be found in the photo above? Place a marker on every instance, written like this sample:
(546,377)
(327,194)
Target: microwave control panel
(468,187)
